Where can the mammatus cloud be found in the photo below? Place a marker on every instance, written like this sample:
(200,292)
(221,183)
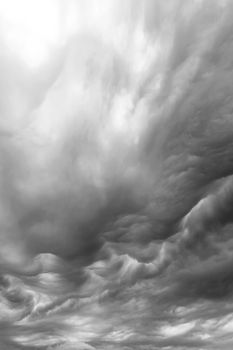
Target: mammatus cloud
(116,185)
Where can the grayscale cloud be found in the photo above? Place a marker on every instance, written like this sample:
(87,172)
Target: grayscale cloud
(116,174)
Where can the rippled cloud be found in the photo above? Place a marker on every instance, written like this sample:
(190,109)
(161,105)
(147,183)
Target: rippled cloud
(116,185)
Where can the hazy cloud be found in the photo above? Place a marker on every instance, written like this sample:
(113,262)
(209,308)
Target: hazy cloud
(116,171)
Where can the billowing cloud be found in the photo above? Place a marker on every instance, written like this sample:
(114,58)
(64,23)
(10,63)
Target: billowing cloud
(116,185)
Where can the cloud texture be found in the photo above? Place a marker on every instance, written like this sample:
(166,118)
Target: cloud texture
(116,179)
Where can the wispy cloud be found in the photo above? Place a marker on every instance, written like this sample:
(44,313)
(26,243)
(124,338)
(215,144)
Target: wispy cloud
(116,175)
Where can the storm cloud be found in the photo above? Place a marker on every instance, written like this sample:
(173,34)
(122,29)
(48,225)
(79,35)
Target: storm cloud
(116,174)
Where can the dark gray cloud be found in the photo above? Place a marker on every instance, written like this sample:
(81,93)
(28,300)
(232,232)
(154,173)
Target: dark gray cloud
(116,185)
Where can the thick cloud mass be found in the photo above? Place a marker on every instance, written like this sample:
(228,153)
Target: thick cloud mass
(116,178)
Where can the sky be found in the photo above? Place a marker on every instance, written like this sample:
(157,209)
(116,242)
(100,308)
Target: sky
(116,174)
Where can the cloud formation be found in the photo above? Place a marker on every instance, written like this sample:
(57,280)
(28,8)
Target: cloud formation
(116,185)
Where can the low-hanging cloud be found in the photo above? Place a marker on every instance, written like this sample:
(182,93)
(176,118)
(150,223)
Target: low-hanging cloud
(116,167)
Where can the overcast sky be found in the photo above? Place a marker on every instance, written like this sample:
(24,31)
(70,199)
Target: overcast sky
(116,185)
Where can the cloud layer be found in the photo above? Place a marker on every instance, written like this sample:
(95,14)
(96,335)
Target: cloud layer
(116,179)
